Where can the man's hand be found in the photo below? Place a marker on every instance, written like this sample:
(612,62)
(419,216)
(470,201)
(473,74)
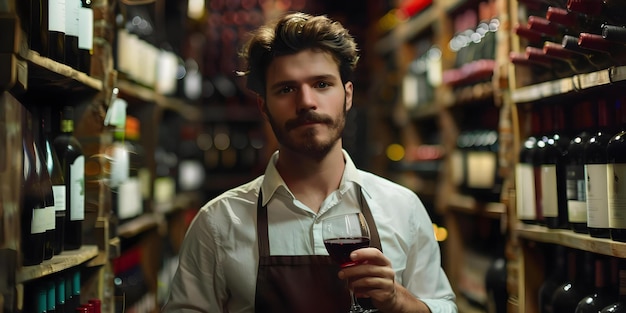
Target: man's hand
(373,277)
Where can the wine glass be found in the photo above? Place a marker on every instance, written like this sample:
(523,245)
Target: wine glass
(343,234)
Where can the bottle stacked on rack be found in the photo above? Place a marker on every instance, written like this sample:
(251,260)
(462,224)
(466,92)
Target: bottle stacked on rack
(70,153)
(61,30)
(35,220)
(578,36)
(596,169)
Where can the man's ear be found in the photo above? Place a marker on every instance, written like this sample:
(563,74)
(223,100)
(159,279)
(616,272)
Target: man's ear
(260,102)
(349,88)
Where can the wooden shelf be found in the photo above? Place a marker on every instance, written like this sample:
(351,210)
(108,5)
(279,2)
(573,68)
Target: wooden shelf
(55,77)
(469,205)
(65,260)
(136,93)
(138,225)
(569,84)
(571,239)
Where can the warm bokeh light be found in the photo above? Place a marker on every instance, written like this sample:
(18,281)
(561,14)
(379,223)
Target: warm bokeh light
(395,152)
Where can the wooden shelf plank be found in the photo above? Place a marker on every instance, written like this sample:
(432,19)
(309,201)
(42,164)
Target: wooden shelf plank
(569,84)
(469,205)
(133,92)
(65,260)
(571,239)
(44,73)
(138,225)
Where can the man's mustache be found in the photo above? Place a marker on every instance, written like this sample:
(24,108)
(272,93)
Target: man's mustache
(308,117)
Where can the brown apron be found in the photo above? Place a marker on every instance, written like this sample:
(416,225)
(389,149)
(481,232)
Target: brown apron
(302,283)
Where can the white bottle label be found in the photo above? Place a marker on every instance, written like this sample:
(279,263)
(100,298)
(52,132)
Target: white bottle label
(597,195)
(481,169)
(120,164)
(71,17)
(38,223)
(56,15)
(50,217)
(129,199)
(617,195)
(77,181)
(85,29)
(59,197)
(549,201)
(525,198)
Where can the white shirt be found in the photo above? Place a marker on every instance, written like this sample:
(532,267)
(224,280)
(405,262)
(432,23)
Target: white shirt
(219,256)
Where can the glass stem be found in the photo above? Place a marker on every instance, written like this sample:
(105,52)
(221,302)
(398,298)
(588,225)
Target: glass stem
(354,304)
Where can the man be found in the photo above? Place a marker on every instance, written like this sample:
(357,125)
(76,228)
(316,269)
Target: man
(259,248)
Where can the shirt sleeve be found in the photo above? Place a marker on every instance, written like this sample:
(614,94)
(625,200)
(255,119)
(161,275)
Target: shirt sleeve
(197,285)
(424,275)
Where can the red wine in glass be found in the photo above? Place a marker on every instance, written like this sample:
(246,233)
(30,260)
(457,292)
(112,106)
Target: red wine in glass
(339,249)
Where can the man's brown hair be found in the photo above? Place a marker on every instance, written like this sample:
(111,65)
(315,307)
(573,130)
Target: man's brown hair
(291,34)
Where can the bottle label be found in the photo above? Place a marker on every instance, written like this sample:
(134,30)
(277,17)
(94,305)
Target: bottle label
(50,217)
(549,202)
(59,197)
(597,195)
(56,15)
(38,223)
(576,194)
(481,169)
(71,17)
(77,191)
(120,165)
(525,198)
(617,195)
(85,30)
(129,199)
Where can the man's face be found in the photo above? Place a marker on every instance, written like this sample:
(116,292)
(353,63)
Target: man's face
(306,102)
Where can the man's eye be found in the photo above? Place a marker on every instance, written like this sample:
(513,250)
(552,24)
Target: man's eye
(322,85)
(285,89)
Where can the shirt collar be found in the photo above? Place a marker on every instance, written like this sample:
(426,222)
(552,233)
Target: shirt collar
(272,180)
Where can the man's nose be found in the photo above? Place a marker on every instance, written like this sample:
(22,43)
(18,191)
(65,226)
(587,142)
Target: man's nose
(306,98)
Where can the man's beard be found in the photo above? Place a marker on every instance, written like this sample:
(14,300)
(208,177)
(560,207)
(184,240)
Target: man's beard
(307,144)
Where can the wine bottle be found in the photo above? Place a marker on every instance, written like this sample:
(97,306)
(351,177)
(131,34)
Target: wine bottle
(602,294)
(597,59)
(53,165)
(578,284)
(555,269)
(125,182)
(532,37)
(85,36)
(616,52)
(553,183)
(574,22)
(38,34)
(610,11)
(596,167)
(620,305)
(575,170)
(56,30)
(33,228)
(73,162)
(578,63)
(616,190)
(72,10)
(60,293)
(524,176)
(48,216)
(51,297)
(614,33)
(561,67)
